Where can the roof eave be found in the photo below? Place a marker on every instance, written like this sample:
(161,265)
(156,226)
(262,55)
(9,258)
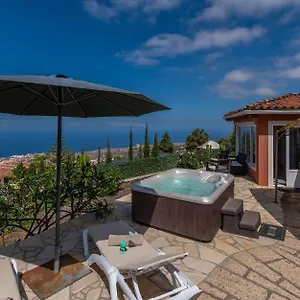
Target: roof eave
(262,112)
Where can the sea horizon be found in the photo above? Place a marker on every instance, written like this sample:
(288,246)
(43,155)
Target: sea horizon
(23,142)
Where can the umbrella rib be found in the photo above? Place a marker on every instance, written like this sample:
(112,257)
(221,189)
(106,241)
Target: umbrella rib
(119,106)
(142,100)
(53,93)
(11,88)
(71,94)
(82,98)
(32,91)
(30,104)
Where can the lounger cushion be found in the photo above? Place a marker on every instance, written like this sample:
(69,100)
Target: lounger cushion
(8,281)
(135,258)
(131,240)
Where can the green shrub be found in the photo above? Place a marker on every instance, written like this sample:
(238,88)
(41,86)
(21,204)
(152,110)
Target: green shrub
(191,160)
(147,165)
(28,200)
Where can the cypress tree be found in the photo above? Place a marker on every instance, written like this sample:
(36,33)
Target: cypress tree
(99,155)
(166,144)
(130,151)
(140,152)
(155,148)
(146,143)
(108,157)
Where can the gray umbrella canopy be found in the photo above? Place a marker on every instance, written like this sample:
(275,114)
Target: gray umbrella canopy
(40,96)
(64,97)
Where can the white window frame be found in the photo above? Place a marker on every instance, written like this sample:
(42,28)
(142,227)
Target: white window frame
(247,124)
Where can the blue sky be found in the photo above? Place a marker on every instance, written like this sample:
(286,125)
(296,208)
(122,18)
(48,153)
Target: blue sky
(201,58)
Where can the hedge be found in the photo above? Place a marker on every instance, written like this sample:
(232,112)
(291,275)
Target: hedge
(145,165)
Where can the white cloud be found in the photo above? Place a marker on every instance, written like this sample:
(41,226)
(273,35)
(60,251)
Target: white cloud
(171,45)
(292,73)
(230,90)
(224,9)
(265,91)
(211,57)
(138,58)
(238,76)
(114,8)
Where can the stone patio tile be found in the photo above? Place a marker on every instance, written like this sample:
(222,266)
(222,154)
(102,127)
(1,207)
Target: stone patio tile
(265,254)
(270,286)
(69,245)
(246,243)
(181,266)
(212,290)
(224,247)
(195,277)
(94,294)
(205,296)
(252,263)
(151,234)
(173,250)
(47,253)
(289,270)
(265,241)
(159,279)
(34,241)
(199,265)
(234,267)
(210,255)
(183,239)
(192,249)
(277,297)
(27,293)
(229,240)
(160,242)
(290,287)
(291,243)
(285,249)
(10,250)
(288,256)
(85,281)
(236,285)
(63,294)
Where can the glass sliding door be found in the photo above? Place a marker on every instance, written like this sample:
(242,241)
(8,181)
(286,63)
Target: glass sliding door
(247,142)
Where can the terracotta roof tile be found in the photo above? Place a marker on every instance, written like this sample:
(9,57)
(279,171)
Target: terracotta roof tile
(286,101)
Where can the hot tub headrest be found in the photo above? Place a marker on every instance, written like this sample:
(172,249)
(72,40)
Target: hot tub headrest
(213,178)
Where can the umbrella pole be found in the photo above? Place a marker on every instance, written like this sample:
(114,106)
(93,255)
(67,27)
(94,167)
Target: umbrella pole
(58,187)
(276,166)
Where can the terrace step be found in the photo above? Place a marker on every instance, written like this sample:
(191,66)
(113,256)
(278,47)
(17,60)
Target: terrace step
(236,221)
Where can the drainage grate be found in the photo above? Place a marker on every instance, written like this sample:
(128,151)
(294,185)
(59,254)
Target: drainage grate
(272,231)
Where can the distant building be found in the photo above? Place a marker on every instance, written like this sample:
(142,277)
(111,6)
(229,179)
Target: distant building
(211,144)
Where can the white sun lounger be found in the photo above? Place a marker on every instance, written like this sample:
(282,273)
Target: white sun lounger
(9,283)
(136,261)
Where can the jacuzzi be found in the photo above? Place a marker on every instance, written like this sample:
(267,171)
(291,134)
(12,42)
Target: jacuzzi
(185,202)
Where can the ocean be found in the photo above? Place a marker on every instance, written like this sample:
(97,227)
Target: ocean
(23,142)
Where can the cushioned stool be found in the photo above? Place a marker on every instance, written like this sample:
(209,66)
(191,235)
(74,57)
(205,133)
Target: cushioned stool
(235,221)
(232,212)
(249,223)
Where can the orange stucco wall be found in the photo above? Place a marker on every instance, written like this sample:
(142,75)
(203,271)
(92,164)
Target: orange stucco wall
(260,174)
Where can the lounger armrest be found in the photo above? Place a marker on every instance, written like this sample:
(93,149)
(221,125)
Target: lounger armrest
(154,263)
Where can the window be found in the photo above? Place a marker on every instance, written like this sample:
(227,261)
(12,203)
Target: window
(295,149)
(247,142)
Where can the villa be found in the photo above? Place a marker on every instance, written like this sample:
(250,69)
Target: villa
(255,128)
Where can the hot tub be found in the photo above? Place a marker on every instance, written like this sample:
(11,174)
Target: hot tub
(186,202)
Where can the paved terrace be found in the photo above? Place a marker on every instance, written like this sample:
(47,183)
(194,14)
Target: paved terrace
(230,267)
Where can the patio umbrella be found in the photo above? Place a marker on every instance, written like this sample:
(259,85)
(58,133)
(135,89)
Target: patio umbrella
(64,97)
